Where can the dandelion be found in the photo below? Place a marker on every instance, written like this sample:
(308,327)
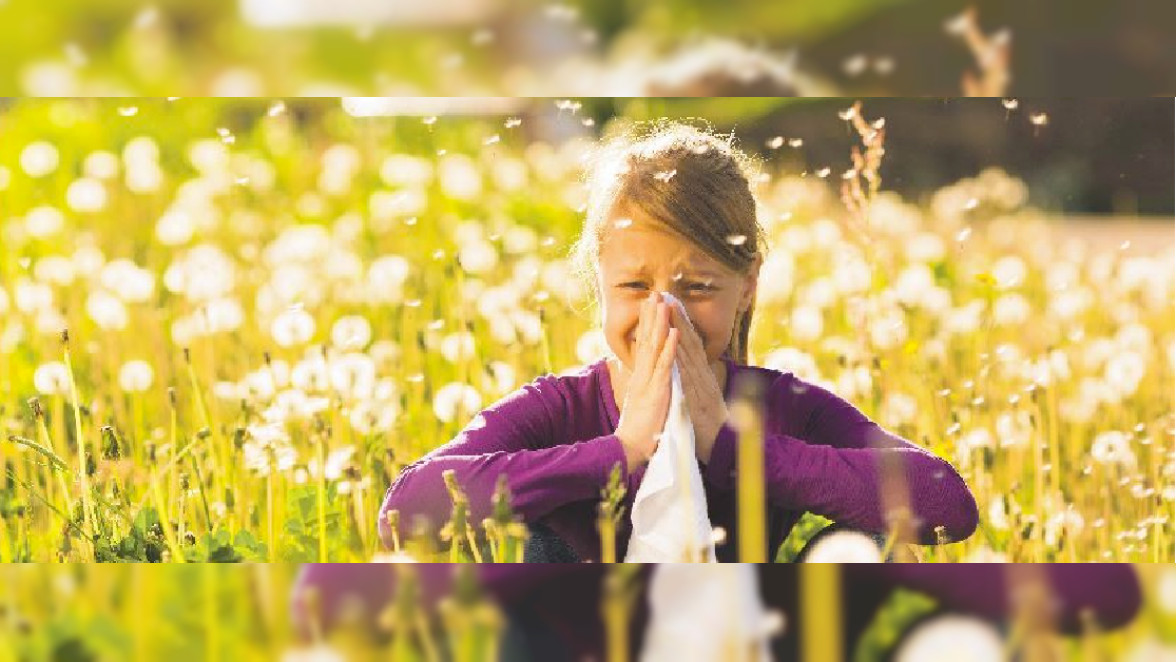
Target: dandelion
(1124,371)
(351,332)
(107,310)
(961,638)
(44,222)
(806,323)
(226,136)
(135,376)
(275,109)
(477,257)
(267,449)
(1113,448)
(100,165)
(292,327)
(455,398)
(776,142)
(459,177)
(1039,119)
(491,140)
(844,547)
(39,159)
(1166,591)
(458,346)
(796,142)
(963,235)
(51,378)
(512,122)
(824,172)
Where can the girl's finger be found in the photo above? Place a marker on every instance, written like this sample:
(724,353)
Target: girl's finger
(666,358)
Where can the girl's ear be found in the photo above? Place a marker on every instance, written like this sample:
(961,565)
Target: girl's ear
(750,282)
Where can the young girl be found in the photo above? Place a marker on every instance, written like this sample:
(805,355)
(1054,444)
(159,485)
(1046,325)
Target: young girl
(672,211)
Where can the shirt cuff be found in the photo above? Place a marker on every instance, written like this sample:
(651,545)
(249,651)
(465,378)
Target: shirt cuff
(720,471)
(614,452)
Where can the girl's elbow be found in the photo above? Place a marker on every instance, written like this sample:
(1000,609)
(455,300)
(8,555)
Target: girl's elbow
(957,516)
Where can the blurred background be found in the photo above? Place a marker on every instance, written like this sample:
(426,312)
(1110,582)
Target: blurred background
(603,47)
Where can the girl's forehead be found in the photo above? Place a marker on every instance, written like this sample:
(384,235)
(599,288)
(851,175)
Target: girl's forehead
(642,249)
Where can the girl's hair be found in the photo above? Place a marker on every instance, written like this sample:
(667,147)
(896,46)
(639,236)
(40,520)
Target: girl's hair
(692,182)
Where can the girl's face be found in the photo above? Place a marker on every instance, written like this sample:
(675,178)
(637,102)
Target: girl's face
(638,258)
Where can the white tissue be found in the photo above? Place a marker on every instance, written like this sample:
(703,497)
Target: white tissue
(707,612)
(670,522)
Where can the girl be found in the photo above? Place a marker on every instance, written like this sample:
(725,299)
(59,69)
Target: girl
(672,211)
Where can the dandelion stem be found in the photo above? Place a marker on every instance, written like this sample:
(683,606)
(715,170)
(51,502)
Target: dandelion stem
(83,474)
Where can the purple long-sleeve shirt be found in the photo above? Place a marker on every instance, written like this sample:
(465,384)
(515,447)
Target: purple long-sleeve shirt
(566,598)
(555,441)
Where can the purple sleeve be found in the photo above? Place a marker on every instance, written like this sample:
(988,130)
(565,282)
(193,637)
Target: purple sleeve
(1109,591)
(829,463)
(520,437)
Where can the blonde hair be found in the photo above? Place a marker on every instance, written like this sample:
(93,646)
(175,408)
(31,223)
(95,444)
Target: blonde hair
(691,181)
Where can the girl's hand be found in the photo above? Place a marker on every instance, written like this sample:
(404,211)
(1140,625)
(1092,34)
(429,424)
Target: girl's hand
(647,394)
(704,395)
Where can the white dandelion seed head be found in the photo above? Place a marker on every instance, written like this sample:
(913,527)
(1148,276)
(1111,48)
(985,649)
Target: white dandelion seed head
(844,547)
(292,327)
(135,376)
(311,374)
(1011,309)
(39,159)
(459,177)
(591,346)
(101,164)
(353,375)
(351,332)
(455,398)
(796,361)
(51,378)
(961,638)
(899,408)
(477,257)
(31,296)
(504,376)
(43,222)
(458,346)
(1113,448)
(1124,371)
(107,310)
(54,269)
(49,322)
(86,195)
(1166,591)
(128,281)
(806,323)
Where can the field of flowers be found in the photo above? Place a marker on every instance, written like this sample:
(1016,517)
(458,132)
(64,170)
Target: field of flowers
(224,327)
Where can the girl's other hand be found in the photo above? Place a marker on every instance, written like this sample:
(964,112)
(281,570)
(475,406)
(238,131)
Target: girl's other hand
(647,394)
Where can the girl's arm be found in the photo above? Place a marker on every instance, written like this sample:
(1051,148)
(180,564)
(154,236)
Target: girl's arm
(518,437)
(827,461)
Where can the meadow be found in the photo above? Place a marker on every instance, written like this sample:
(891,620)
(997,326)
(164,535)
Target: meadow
(226,325)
